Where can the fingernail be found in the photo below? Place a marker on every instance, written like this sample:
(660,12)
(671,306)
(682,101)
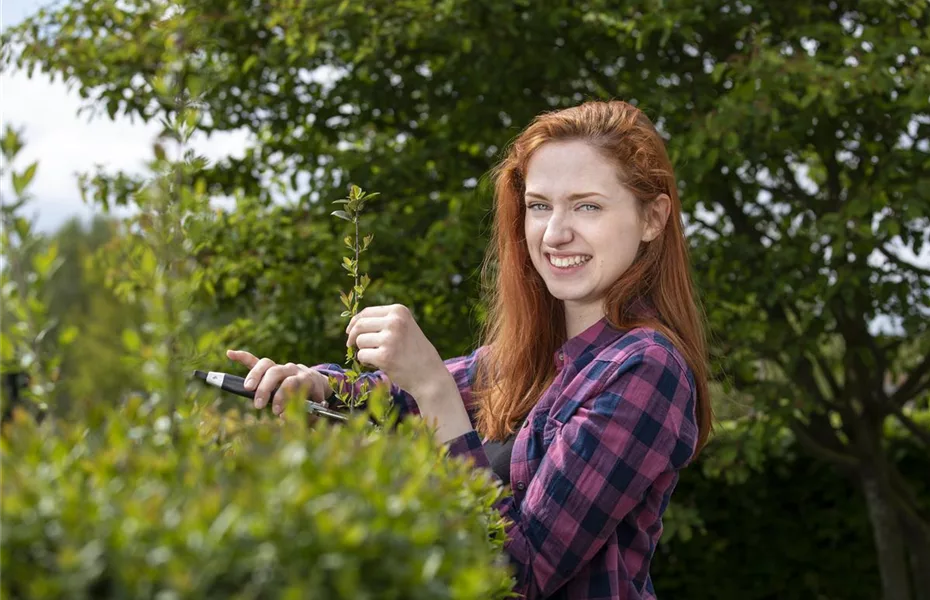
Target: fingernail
(258,402)
(248,383)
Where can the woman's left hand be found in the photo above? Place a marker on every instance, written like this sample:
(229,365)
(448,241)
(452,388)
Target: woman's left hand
(388,338)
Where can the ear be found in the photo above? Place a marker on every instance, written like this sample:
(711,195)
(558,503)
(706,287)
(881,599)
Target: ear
(655,216)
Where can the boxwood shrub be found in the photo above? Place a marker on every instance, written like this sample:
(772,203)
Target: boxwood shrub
(130,503)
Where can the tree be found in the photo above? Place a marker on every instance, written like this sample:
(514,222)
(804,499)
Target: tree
(800,131)
(92,367)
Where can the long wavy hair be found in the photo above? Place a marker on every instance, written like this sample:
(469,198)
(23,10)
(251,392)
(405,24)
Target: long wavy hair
(526,324)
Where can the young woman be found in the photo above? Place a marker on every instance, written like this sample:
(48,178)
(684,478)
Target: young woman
(589,393)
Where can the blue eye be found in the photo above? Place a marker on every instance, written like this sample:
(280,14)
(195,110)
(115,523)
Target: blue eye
(592,207)
(536,205)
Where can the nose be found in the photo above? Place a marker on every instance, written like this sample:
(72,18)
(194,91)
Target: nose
(558,230)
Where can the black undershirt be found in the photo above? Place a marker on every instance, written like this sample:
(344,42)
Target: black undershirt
(499,456)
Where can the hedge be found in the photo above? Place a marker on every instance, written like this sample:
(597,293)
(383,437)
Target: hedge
(223,505)
(123,505)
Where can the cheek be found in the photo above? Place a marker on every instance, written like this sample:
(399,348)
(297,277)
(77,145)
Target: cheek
(534,233)
(617,250)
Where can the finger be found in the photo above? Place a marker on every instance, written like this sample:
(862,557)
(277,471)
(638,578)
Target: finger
(372,357)
(270,380)
(257,372)
(293,386)
(367,325)
(246,359)
(369,311)
(321,389)
(371,340)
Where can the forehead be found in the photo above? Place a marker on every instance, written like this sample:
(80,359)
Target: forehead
(558,168)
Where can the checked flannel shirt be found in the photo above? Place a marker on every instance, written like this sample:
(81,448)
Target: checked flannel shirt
(594,464)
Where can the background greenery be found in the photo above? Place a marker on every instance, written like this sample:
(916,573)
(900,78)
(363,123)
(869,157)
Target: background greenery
(800,136)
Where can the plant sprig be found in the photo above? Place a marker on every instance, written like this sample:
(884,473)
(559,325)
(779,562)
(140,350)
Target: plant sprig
(352,209)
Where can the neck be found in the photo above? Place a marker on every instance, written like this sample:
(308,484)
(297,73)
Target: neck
(579,318)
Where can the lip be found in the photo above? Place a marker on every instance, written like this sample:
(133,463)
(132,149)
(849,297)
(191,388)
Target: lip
(565,254)
(565,270)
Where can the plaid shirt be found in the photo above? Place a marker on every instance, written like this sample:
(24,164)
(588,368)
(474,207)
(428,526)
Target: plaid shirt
(593,465)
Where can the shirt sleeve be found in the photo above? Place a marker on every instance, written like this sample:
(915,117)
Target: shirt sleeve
(462,369)
(600,464)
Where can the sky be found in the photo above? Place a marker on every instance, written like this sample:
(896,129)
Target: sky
(66,144)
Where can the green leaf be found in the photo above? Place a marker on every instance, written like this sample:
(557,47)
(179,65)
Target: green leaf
(68,335)
(44,262)
(21,181)
(7,348)
(131,340)
(342,215)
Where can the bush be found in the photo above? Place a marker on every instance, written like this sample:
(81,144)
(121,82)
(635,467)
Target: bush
(128,504)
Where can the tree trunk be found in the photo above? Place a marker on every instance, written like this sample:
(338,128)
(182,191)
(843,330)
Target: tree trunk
(918,546)
(886,530)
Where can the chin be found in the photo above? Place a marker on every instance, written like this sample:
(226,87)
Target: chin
(566,295)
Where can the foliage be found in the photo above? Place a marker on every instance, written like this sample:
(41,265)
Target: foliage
(30,356)
(787,528)
(799,133)
(94,366)
(123,503)
(154,494)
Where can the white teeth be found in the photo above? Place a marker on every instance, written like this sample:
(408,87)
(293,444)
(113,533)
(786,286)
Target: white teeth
(569,261)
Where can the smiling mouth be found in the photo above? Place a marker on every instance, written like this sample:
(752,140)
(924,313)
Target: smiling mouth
(568,262)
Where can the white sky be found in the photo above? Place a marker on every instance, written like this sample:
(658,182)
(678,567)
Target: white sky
(65,143)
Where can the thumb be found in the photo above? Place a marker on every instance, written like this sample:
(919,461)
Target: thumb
(241,356)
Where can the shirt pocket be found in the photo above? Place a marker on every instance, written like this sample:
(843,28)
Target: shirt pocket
(551,428)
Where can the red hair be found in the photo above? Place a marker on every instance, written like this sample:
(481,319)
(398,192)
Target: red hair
(526,324)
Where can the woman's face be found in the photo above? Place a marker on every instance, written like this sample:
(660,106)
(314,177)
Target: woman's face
(583,227)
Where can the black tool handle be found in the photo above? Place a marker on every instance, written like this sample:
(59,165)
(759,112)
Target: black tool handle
(236,385)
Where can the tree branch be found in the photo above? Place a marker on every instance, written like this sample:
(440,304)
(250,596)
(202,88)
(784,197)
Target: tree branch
(707,225)
(828,375)
(915,383)
(844,461)
(921,434)
(894,258)
(803,370)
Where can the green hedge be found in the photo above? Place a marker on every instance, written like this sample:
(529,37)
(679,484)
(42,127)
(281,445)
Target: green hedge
(117,505)
(795,528)
(121,505)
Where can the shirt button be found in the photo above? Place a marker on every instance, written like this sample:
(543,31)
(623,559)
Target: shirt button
(521,486)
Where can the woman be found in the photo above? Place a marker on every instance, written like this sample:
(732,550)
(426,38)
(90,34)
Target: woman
(589,392)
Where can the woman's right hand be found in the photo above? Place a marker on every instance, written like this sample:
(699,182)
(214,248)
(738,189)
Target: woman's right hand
(290,379)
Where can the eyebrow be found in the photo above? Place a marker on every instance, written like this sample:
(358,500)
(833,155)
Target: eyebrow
(577,196)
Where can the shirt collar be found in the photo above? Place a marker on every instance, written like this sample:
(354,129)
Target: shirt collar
(595,337)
